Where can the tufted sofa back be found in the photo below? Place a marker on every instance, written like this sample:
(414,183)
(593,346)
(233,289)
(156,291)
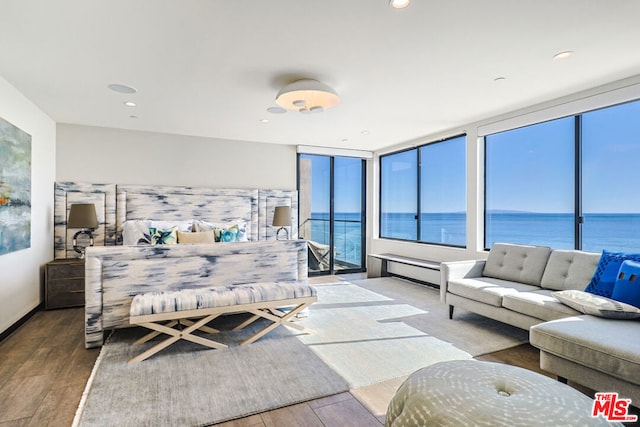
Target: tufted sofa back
(517,263)
(569,270)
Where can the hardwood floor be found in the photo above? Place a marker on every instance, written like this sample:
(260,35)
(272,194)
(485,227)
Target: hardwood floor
(44,368)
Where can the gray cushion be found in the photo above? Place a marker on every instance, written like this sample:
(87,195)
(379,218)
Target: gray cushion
(518,263)
(221,296)
(539,304)
(596,305)
(569,270)
(607,345)
(486,289)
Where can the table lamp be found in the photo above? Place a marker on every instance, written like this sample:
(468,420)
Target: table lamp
(282,219)
(83,216)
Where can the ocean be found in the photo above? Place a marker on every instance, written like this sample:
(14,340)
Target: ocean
(613,232)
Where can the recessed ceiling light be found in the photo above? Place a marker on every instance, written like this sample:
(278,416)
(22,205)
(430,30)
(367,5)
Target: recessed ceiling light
(133,117)
(276,110)
(563,55)
(499,79)
(399,4)
(264,120)
(365,132)
(345,139)
(116,87)
(130,104)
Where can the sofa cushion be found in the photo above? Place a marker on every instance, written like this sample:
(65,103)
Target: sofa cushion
(596,305)
(487,289)
(607,345)
(518,263)
(569,270)
(539,304)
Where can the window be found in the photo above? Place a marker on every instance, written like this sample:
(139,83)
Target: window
(610,172)
(331,212)
(567,183)
(443,195)
(399,195)
(529,190)
(428,182)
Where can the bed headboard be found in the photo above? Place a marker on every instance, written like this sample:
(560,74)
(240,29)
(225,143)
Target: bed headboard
(184,203)
(68,193)
(116,204)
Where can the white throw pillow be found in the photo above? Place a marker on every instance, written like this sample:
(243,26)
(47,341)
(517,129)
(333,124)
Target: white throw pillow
(595,305)
(136,232)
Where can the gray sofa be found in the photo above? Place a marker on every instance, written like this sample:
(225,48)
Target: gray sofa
(515,285)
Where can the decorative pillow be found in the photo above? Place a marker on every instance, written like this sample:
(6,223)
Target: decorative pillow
(196,237)
(605,276)
(229,234)
(163,237)
(595,305)
(627,287)
(234,232)
(242,235)
(166,225)
(136,232)
(204,225)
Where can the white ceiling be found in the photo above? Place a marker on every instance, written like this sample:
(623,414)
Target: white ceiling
(212,68)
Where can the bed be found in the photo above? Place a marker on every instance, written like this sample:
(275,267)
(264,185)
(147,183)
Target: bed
(115,273)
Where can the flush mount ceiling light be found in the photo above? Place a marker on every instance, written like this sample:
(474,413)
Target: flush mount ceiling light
(563,55)
(117,87)
(307,96)
(399,4)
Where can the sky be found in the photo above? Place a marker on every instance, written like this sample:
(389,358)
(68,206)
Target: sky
(348,184)
(537,163)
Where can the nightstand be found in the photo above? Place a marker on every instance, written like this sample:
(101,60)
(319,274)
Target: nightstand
(64,283)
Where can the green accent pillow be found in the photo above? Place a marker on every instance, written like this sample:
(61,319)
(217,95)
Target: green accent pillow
(163,237)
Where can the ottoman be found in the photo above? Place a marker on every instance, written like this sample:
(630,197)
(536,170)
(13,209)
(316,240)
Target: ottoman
(477,393)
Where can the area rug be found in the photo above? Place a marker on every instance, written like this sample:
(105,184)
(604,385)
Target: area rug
(373,330)
(189,385)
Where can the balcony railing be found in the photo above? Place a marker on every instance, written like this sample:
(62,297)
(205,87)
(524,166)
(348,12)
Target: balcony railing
(347,242)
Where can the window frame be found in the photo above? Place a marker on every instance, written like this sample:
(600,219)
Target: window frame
(418,213)
(578,214)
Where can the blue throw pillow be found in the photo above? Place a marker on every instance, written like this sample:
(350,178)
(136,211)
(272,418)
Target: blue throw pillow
(606,274)
(627,287)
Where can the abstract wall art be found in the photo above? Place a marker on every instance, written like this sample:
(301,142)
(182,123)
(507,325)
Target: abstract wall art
(15,188)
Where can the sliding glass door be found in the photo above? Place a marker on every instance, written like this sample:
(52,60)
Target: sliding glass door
(331,210)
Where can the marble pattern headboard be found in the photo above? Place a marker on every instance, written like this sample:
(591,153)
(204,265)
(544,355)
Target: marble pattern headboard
(183,203)
(68,193)
(117,203)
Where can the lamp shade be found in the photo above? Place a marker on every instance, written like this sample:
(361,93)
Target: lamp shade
(83,215)
(282,216)
(307,96)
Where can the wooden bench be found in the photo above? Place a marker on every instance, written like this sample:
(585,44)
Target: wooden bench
(384,260)
(180,313)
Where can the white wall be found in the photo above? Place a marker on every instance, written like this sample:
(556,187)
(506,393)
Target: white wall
(610,94)
(103,155)
(22,274)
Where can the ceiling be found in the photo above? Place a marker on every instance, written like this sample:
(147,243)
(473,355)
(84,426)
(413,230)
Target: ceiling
(211,68)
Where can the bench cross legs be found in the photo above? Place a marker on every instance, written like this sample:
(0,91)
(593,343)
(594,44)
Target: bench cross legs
(176,334)
(277,317)
(269,310)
